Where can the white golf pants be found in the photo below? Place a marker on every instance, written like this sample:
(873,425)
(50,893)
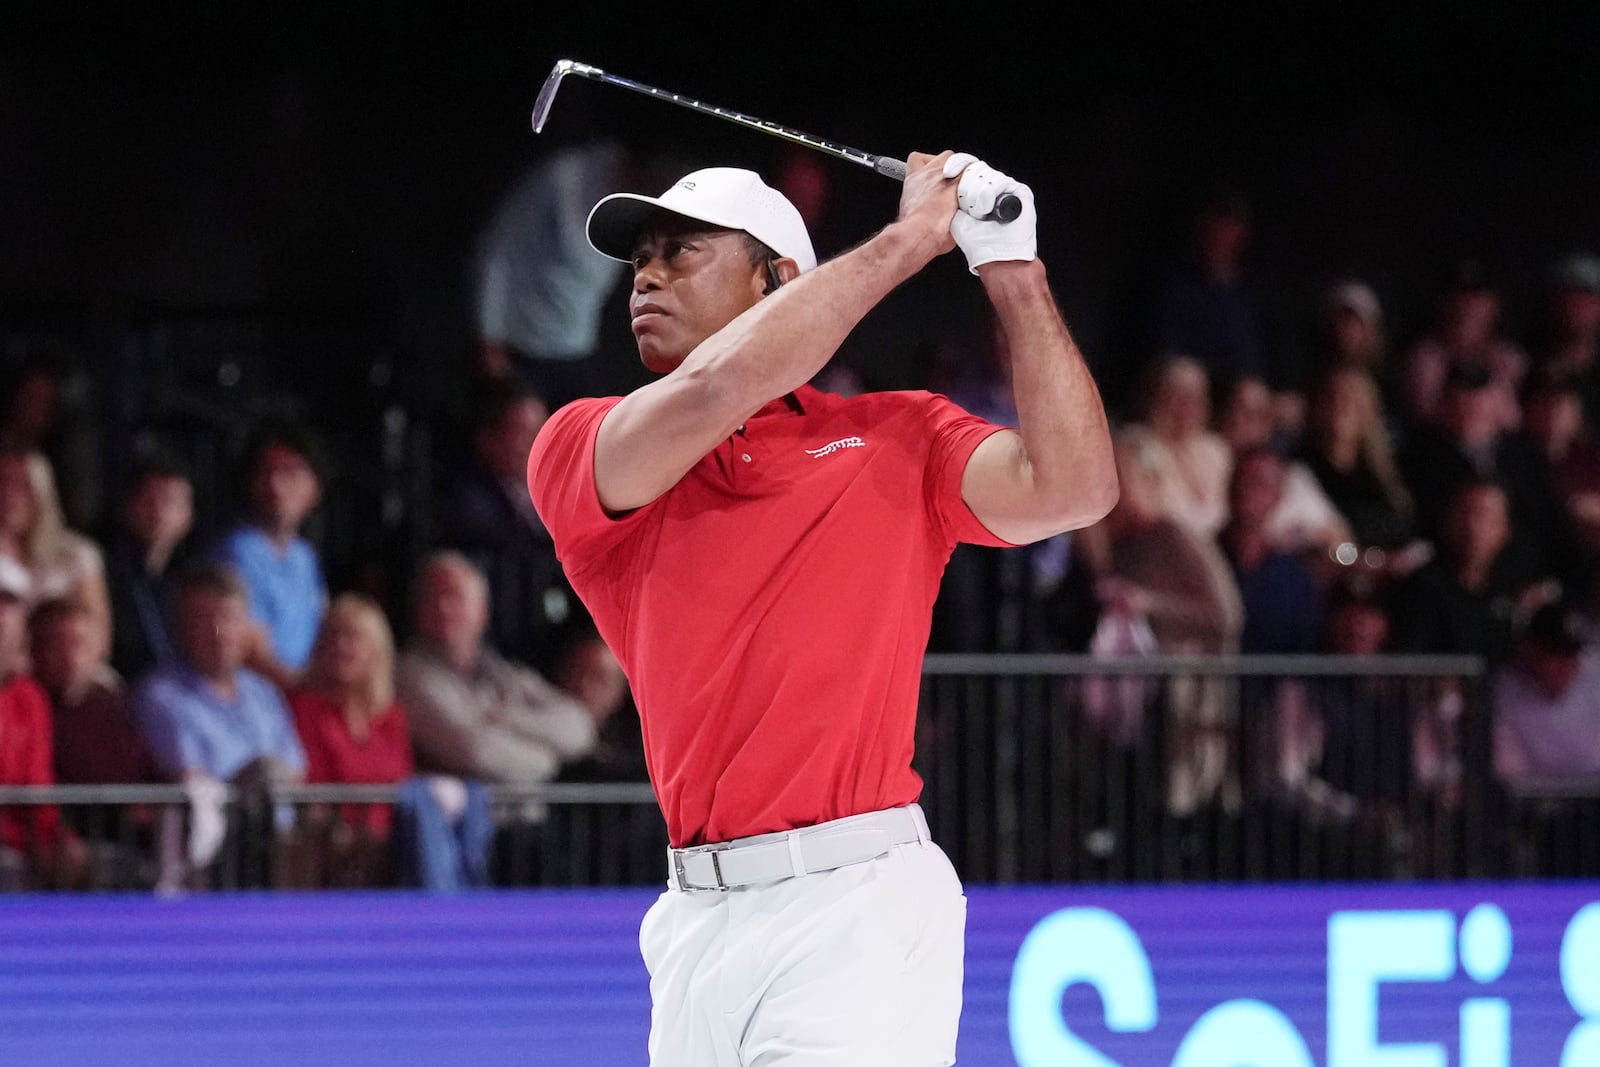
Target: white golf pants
(856,966)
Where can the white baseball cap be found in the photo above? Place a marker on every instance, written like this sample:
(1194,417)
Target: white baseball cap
(723,196)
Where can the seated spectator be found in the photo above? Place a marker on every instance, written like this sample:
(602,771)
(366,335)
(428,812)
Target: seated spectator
(47,409)
(1159,574)
(355,732)
(1347,448)
(280,569)
(1569,345)
(97,737)
(1188,463)
(486,514)
(1468,443)
(1350,330)
(1282,604)
(1547,703)
(1205,303)
(1305,518)
(205,715)
(1465,333)
(56,561)
(1555,425)
(35,849)
(1483,582)
(473,713)
(1357,754)
(586,667)
(152,525)
(345,713)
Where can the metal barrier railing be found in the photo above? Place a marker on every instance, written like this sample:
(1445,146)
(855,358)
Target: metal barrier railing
(1037,769)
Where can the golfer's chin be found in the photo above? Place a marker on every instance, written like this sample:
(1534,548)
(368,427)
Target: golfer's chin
(657,357)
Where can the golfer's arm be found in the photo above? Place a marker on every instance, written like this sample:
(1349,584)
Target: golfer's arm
(656,433)
(1056,472)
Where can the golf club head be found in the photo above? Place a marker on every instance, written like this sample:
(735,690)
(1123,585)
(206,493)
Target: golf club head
(547,92)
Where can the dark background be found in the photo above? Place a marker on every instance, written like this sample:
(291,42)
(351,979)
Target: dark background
(229,207)
(342,155)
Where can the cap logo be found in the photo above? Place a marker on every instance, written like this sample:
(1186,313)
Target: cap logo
(686,185)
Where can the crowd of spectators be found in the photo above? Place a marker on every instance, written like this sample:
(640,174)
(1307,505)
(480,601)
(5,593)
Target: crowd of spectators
(1433,493)
(1434,490)
(217,660)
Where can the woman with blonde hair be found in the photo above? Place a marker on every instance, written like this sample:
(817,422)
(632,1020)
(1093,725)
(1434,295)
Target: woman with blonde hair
(353,729)
(355,732)
(34,537)
(1348,448)
(1189,464)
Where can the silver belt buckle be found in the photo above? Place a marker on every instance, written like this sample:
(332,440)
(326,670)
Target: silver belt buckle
(716,869)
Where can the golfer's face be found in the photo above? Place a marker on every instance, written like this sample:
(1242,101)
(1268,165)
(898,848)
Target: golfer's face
(689,281)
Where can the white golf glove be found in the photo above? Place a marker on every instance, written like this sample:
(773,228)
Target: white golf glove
(986,240)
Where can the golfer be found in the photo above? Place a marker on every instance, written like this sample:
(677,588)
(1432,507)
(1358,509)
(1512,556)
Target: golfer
(763,559)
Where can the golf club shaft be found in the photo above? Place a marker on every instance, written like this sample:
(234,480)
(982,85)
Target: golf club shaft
(1006,208)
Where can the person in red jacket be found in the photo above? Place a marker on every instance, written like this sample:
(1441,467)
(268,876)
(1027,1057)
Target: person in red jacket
(34,846)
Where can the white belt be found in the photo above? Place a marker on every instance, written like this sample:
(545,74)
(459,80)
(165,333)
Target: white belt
(792,853)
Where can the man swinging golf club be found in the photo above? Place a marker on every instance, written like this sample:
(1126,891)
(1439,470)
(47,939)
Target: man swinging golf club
(763,558)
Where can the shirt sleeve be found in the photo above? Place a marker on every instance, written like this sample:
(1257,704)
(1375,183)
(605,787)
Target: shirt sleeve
(561,483)
(955,436)
(161,716)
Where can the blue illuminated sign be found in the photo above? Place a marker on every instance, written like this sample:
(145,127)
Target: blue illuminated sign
(1503,975)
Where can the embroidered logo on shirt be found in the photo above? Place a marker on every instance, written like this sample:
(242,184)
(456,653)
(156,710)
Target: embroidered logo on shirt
(833,446)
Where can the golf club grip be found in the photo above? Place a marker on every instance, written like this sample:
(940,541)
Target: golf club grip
(1006,208)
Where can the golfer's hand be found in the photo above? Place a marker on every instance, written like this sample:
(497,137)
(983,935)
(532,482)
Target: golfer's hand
(982,239)
(928,200)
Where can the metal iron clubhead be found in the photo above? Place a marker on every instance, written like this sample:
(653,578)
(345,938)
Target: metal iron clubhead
(547,92)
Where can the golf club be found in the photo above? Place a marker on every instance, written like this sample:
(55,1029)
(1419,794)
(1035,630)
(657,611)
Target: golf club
(1006,208)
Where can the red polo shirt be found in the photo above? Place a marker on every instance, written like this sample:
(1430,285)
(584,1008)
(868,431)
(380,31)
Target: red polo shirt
(771,610)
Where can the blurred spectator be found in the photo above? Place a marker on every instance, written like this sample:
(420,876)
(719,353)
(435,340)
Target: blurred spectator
(1547,703)
(1465,333)
(1189,465)
(540,286)
(1350,331)
(485,513)
(1305,518)
(35,849)
(1359,753)
(1570,345)
(586,668)
(97,738)
(282,478)
(1282,604)
(473,713)
(1348,448)
(1469,443)
(45,411)
(1205,306)
(1555,425)
(1159,575)
(33,535)
(1468,599)
(345,713)
(97,742)
(205,715)
(153,522)
(356,732)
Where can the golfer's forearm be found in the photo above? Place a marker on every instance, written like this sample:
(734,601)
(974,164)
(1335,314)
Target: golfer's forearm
(784,340)
(1066,443)
(658,432)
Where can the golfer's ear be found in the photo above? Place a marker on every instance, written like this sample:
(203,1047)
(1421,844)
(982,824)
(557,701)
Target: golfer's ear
(788,270)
